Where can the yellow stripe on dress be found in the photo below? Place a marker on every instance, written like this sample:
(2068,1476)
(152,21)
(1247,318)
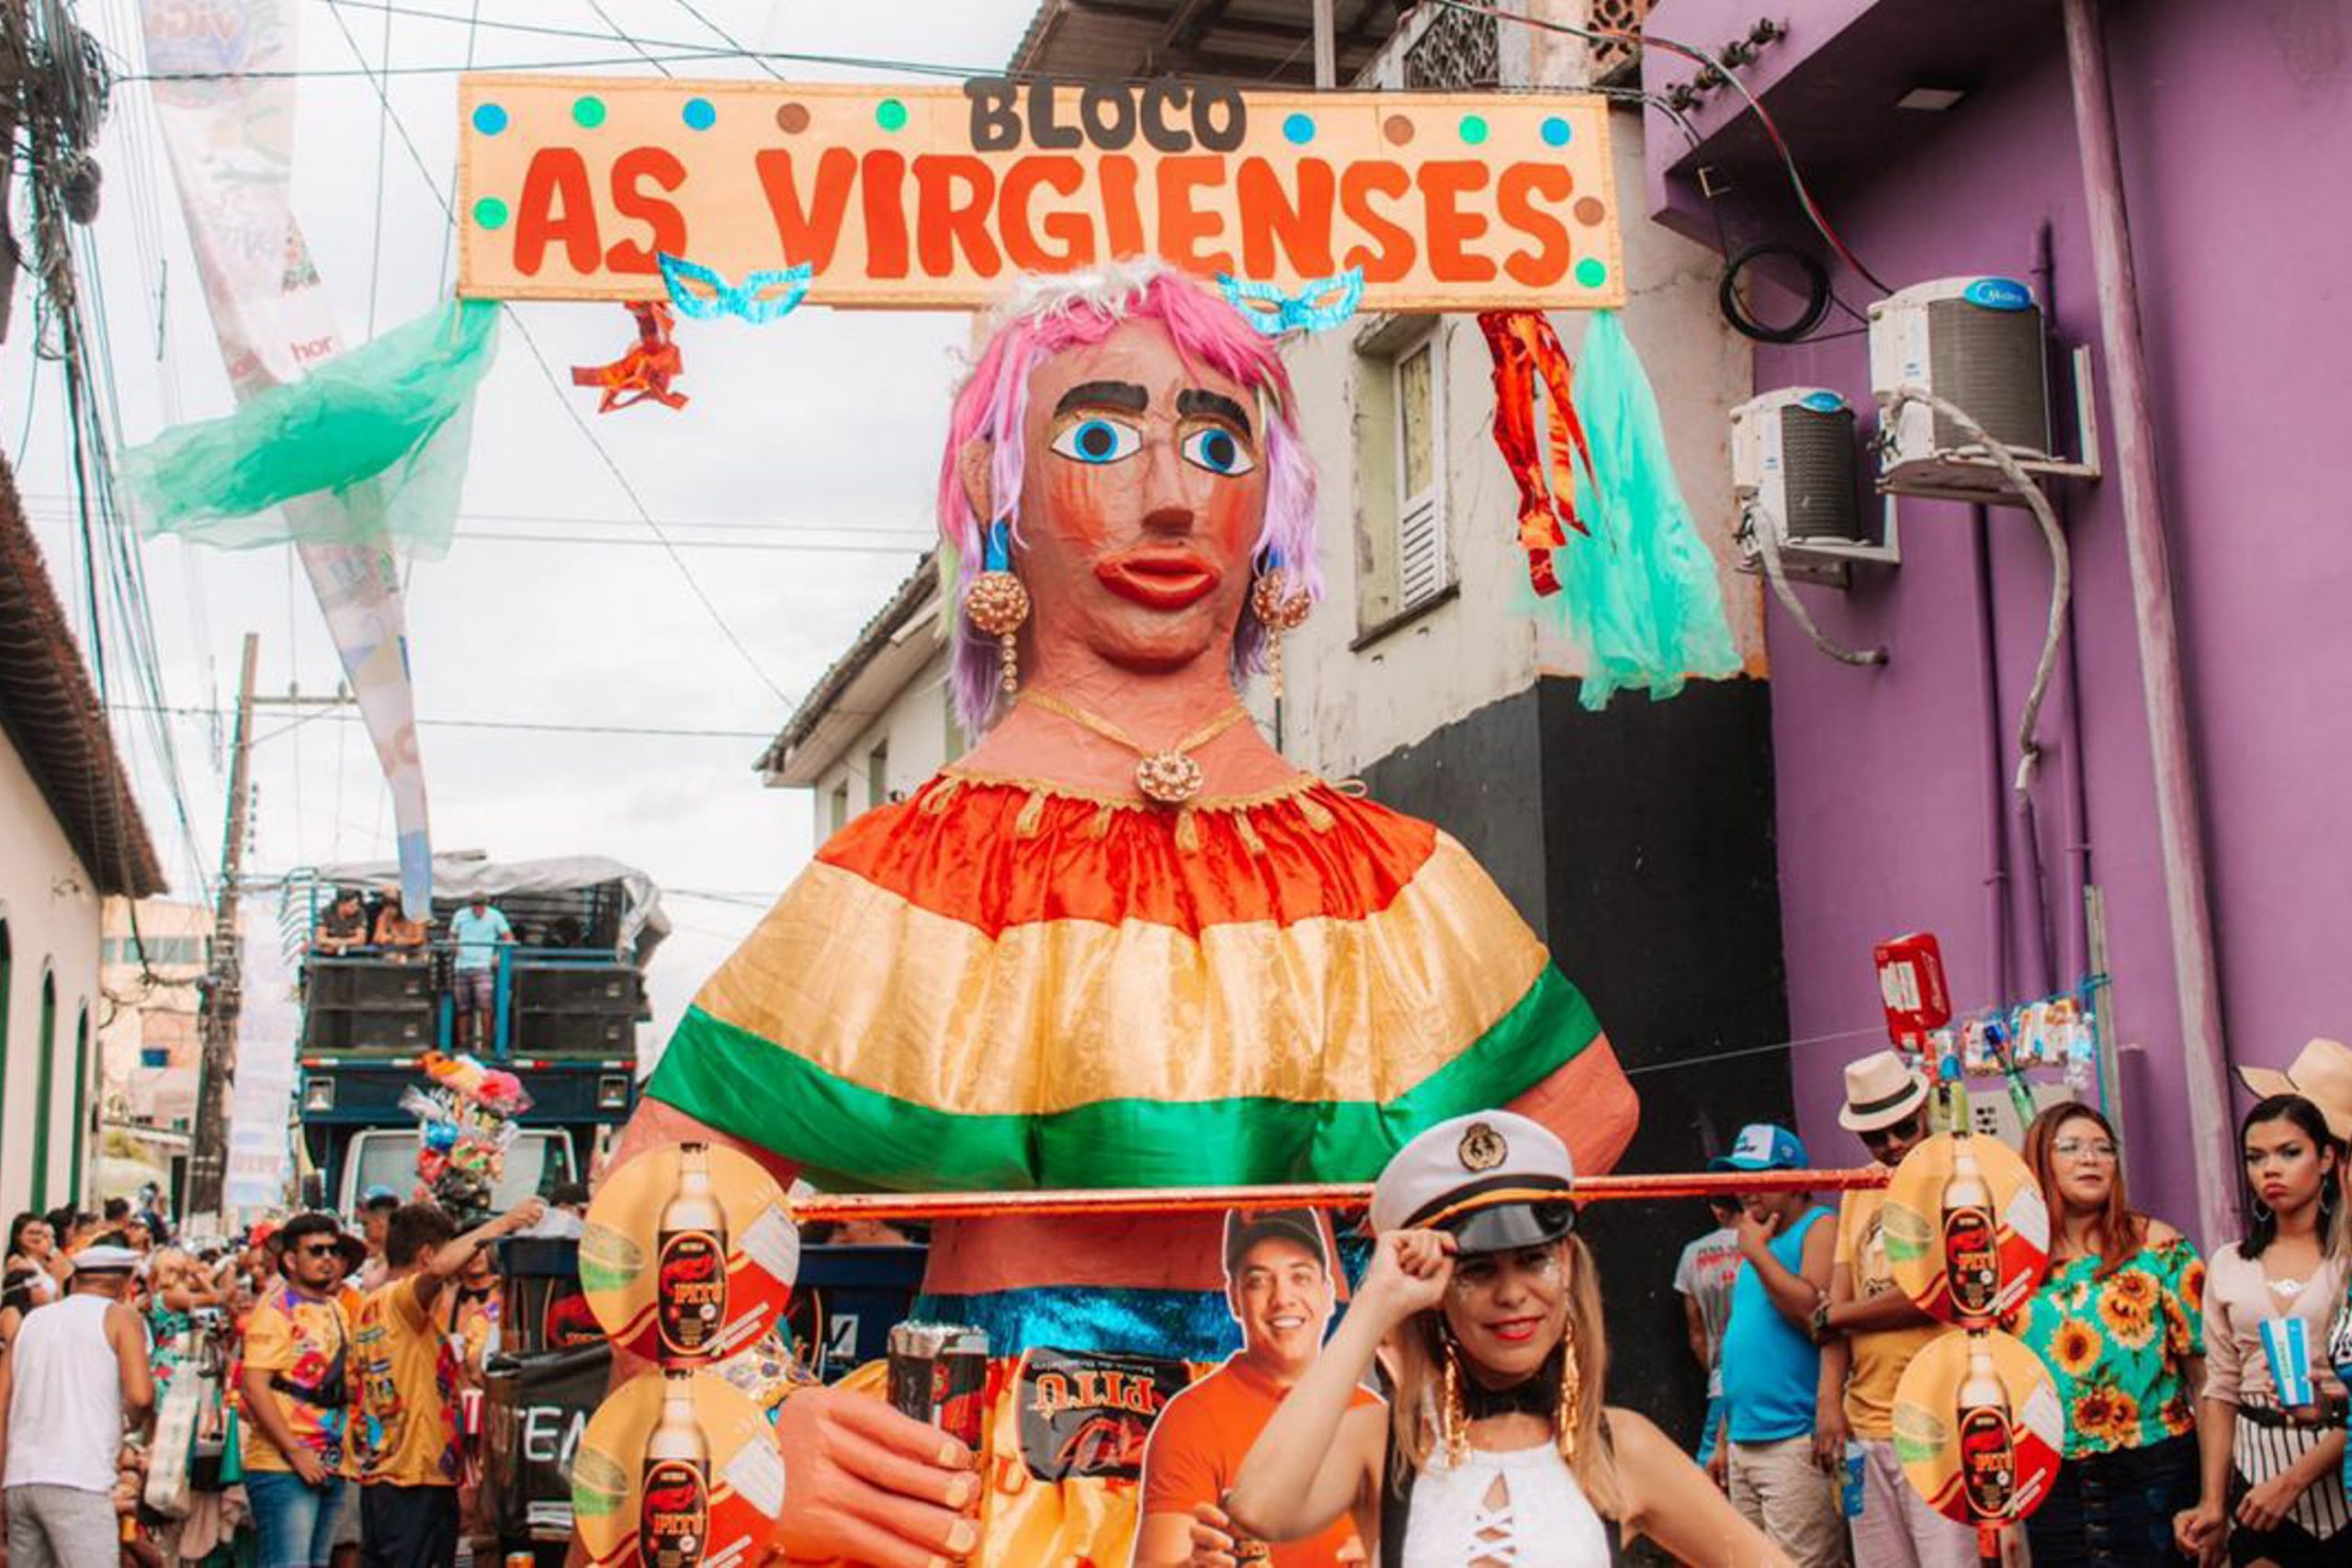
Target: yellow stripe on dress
(1059,1014)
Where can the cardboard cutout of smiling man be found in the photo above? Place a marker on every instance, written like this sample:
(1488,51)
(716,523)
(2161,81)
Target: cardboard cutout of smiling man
(1122,943)
(1282,1287)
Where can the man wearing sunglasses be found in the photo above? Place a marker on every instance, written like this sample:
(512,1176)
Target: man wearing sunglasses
(296,1395)
(1868,1331)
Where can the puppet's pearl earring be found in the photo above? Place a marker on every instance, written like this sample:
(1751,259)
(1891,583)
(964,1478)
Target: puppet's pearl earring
(1280,610)
(997,604)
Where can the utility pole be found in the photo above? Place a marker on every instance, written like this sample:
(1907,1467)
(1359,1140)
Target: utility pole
(223,993)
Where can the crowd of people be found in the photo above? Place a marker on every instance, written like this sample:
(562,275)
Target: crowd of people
(295,1398)
(2179,1447)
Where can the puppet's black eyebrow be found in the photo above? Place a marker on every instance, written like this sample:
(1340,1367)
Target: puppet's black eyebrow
(1104,394)
(1192,401)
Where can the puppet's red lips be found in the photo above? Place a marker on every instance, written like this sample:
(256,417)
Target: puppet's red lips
(1160,579)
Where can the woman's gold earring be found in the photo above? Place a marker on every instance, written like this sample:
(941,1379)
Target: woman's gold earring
(1565,1418)
(1279,610)
(996,604)
(1456,1418)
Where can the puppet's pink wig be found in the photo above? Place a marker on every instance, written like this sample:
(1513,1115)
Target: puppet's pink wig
(1046,316)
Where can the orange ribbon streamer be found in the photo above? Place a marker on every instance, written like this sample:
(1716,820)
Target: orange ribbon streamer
(645,371)
(1526,349)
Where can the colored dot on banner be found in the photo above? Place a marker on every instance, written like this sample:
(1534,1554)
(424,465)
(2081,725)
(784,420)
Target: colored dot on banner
(490,212)
(489,119)
(1397,129)
(1555,131)
(792,118)
(588,113)
(1300,128)
(1589,210)
(1592,273)
(1474,129)
(698,114)
(890,115)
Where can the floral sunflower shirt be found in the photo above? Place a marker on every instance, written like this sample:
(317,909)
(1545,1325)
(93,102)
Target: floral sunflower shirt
(2119,1348)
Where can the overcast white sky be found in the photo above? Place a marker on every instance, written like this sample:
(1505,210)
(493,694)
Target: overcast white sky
(822,430)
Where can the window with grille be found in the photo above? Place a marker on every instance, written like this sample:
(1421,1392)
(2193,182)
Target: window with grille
(1420,504)
(877,775)
(1458,50)
(1616,60)
(837,809)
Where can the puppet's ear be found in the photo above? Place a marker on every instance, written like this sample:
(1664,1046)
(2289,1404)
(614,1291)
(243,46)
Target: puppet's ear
(972,465)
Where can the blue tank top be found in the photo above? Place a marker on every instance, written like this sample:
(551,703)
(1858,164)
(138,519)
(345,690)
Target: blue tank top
(1771,1370)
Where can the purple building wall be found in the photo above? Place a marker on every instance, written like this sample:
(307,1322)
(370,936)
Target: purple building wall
(2236,122)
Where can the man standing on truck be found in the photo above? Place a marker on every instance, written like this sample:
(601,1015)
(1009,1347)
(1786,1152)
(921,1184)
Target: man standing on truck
(477,930)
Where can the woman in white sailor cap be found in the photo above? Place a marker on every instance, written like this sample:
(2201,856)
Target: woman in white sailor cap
(1484,1308)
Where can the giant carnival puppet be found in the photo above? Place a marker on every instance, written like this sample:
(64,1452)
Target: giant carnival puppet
(1122,942)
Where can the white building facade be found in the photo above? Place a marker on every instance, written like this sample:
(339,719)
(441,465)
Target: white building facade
(70,836)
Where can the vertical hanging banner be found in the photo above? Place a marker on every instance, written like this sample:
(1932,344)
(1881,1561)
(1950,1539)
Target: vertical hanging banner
(576,188)
(224,103)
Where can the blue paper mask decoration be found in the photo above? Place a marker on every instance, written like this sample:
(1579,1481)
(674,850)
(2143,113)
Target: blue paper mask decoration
(1317,306)
(700,292)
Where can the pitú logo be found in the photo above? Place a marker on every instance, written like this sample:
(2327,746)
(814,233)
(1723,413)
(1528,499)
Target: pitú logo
(1999,294)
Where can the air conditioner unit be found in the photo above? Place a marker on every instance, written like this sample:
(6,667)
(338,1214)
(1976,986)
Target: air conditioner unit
(1792,468)
(1979,342)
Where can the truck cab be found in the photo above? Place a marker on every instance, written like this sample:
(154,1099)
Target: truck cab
(567,997)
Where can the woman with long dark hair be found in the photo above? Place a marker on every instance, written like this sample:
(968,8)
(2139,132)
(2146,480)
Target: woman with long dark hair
(32,1243)
(2273,1489)
(1485,1306)
(2118,1320)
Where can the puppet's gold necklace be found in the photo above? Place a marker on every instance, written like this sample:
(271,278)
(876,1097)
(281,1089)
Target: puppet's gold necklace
(1170,777)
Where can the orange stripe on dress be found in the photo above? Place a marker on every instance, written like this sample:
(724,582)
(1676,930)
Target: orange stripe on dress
(974,863)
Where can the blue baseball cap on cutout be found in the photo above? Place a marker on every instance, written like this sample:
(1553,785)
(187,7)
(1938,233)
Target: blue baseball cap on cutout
(1762,1146)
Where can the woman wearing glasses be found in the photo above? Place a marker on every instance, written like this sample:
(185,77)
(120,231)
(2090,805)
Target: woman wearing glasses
(1483,1305)
(2118,1322)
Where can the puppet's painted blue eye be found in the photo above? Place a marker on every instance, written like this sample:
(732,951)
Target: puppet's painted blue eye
(1098,440)
(1218,450)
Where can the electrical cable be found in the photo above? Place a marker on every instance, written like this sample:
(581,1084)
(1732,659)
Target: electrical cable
(622,35)
(691,9)
(383,139)
(1764,530)
(1745,322)
(527,727)
(2062,565)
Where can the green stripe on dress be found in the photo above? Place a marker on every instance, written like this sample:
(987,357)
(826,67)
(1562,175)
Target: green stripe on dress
(847,1137)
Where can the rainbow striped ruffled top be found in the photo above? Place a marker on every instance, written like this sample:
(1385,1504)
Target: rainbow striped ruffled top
(999,985)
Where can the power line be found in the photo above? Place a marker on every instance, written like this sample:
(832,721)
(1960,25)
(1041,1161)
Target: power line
(813,546)
(726,37)
(617,32)
(518,726)
(45,505)
(383,139)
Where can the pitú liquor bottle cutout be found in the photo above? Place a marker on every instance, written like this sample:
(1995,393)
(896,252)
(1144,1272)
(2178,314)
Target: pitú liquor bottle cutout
(690,1269)
(1988,1456)
(1972,1249)
(674,1496)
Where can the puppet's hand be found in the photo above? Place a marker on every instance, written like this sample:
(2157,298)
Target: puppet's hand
(867,1483)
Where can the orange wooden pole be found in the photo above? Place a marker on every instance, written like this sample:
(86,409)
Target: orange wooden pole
(835,1207)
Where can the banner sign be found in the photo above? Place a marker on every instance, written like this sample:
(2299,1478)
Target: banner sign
(573,188)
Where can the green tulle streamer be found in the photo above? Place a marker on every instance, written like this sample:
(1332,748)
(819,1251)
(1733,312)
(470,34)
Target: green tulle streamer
(1640,595)
(384,428)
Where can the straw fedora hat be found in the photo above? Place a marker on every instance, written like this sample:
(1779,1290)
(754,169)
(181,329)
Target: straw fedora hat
(1881,1089)
(2321,1073)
